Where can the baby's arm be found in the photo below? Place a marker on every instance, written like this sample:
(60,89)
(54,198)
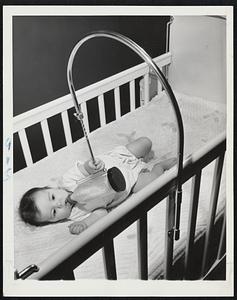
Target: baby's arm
(79,226)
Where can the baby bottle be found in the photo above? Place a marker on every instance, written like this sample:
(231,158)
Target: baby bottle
(98,190)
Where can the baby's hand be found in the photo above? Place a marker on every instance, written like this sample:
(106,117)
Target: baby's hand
(77,227)
(92,168)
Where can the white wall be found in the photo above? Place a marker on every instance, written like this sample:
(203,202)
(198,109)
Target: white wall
(198,45)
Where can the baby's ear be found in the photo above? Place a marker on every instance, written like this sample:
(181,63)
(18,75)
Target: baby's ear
(54,182)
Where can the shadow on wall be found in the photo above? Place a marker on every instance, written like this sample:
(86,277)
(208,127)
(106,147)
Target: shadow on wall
(42,45)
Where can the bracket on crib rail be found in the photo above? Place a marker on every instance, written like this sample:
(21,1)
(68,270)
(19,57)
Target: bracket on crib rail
(78,116)
(177,213)
(152,73)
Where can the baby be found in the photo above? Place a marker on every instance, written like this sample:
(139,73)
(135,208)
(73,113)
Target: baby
(44,205)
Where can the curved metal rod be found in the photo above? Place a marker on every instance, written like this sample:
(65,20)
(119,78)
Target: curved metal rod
(142,53)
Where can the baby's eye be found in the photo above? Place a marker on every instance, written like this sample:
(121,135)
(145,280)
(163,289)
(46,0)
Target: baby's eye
(53,197)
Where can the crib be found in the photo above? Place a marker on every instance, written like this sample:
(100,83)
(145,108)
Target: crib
(95,250)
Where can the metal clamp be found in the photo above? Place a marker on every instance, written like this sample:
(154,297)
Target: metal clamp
(176,234)
(152,73)
(79,116)
(177,214)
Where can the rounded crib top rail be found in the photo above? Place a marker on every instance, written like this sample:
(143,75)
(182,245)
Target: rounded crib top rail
(63,103)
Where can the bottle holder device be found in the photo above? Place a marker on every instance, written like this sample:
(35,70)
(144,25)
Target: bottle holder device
(99,189)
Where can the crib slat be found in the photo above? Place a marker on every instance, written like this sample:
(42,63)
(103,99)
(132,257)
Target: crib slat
(146,88)
(66,127)
(222,239)
(169,234)
(132,94)
(109,260)
(159,87)
(25,147)
(46,134)
(142,247)
(102,110)
(212,210)
(117,103)
(192,223)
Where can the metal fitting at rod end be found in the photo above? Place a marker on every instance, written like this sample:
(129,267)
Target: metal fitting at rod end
(176,234)
(26,272)
(79,116)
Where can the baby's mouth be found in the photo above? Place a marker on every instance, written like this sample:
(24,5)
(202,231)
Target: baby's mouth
(70,201)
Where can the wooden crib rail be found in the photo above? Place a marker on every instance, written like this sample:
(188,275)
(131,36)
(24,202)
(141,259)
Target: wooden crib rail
(97,90)
(59,105)
(135,209)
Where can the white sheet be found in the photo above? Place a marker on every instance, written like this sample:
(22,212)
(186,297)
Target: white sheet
(203,120)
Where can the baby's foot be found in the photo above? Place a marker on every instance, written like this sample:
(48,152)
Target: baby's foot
(149,156)
(168,163)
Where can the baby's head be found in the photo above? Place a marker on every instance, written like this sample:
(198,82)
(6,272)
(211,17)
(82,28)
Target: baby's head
(44,205)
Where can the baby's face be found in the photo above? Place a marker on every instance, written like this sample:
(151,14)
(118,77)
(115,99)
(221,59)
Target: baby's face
(52,204)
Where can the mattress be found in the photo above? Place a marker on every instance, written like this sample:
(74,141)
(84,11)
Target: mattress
(203,120)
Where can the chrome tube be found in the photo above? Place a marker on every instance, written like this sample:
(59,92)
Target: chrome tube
(142,53)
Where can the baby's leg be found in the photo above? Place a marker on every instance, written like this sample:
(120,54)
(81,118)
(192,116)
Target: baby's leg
(140,147)
(168,163)
(147,177)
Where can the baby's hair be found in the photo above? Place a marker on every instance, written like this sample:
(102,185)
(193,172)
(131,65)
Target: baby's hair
(27,209)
